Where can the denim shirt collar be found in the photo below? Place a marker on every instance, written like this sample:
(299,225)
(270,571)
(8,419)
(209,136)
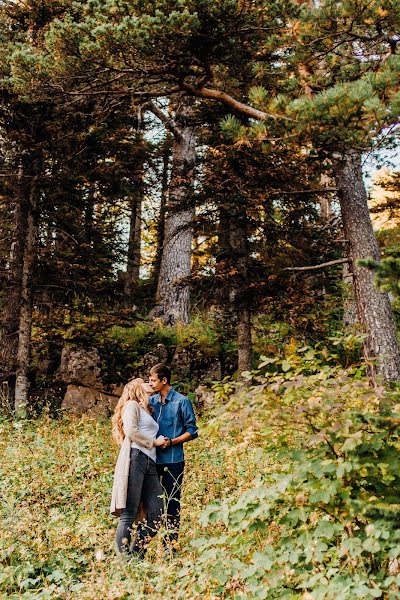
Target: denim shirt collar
(168,397)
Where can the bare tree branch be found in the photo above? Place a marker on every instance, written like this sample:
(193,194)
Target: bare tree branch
(231,102)
(331,263)
(168,122)
(315,191)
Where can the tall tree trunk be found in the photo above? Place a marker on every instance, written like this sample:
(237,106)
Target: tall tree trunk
(233,257)
(374,311)
(240,262)
(12,303)
(135,216)
(135,235)
(173,294)
(325,204)
(245,346)
(349,304)
(25,319)
(166,157)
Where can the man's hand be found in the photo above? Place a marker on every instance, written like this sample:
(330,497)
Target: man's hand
(160,441)
(167,443)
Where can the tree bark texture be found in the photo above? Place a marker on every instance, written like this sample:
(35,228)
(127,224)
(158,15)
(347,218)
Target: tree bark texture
(245,347)
(349,305)
(234,258)
(135,218)
(166,158)
(173,293)
(25,318)
(374,311)
(240,262)
(12,301)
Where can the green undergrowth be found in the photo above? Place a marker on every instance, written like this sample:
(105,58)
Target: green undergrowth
(291,491)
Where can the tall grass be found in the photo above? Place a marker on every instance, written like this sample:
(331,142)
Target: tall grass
(289,492)
(57,536)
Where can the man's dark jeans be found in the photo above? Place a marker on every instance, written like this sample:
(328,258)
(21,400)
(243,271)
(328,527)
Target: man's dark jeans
(171,478)
(143,485)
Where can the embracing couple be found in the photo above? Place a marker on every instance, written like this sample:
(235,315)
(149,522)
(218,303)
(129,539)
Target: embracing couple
(151,423)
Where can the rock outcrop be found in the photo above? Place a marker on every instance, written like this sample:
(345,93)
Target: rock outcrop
(190,363)
(82,400)
(204,396)
(80,367)
(158,355)
(86,395)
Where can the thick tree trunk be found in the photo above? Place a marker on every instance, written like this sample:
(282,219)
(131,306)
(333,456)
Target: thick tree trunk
(373,307)
(25,320)
(173,294)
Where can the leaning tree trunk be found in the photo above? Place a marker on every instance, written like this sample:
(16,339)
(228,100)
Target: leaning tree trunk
(173,294)
(374,311)
(25,319)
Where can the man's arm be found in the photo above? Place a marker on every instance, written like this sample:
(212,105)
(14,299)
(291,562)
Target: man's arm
(189,425)
(181,439)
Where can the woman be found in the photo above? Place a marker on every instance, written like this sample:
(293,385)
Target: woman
(135,477)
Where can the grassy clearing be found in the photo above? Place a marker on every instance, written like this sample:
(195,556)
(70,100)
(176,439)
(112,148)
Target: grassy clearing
(291,491)
(57,535)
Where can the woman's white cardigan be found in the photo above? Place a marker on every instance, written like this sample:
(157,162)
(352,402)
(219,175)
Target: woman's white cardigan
(121,473)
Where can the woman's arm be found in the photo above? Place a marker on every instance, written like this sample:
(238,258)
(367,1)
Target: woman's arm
(130,420)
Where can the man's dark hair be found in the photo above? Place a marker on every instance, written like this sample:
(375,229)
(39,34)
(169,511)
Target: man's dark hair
(161,371)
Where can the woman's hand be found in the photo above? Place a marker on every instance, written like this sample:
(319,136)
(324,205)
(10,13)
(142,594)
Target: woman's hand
(160,441)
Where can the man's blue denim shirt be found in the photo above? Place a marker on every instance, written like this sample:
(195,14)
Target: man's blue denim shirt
(175,417)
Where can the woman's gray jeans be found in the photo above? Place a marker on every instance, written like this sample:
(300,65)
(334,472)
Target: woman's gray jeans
(143,485)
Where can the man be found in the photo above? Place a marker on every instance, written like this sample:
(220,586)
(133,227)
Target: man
(175,416)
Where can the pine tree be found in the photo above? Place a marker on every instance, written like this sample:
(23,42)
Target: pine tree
(327,76)
(173,294)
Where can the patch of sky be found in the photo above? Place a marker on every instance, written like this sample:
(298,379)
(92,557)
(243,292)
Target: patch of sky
(385,153)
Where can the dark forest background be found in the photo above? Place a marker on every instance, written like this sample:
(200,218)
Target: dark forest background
(189,179)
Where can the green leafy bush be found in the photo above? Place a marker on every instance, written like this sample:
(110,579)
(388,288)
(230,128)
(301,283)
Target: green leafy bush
(329,525)
(325,523)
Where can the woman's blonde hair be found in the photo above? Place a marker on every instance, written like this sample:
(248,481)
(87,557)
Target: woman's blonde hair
(133,390)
